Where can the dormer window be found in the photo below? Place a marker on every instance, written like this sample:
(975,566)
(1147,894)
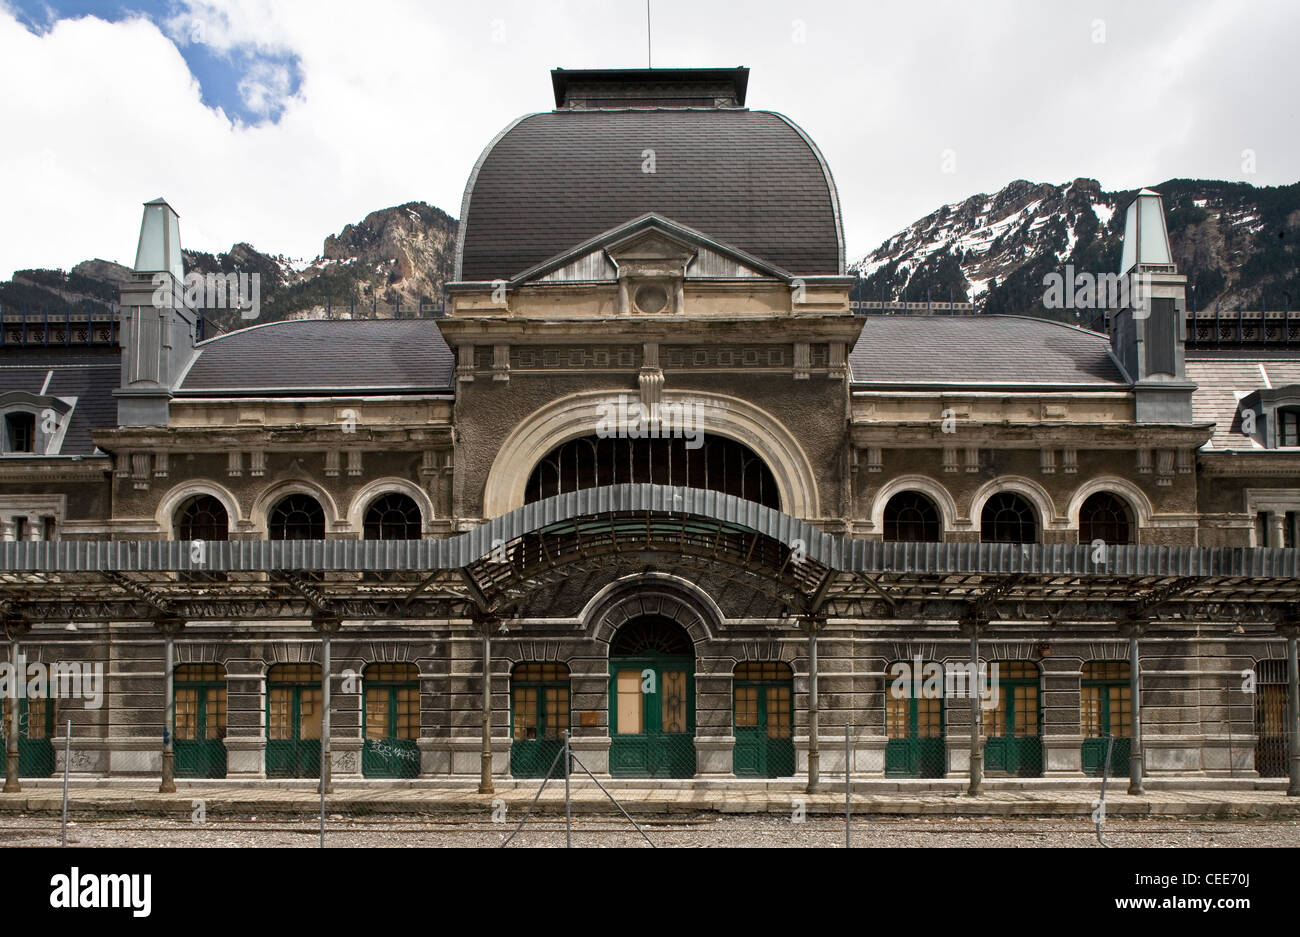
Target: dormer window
(1288,427)
(1277,415)
(20,432)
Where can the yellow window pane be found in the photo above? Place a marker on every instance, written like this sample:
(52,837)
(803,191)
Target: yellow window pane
(281,711)
(187,711)
(746,707)
(376,713)
(310,712)
(896,711)
(778,712)
(525,713)
(629,702)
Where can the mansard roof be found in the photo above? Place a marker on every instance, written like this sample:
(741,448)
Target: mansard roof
(316,356)
(998,351)
(749,179)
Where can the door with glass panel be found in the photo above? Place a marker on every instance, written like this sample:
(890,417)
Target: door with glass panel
(1012,743)
(763,694)
(652,700)
(294,709)
(1105,708)
(914,726)
(539,715)
(392,721)
(35,735)
(199,725)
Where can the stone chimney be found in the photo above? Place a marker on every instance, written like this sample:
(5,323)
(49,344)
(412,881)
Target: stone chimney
(1148,330)
(159,329)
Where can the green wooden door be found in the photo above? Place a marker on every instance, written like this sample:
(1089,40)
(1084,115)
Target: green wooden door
(199,721)
(915,746)
(294,711)
(35,736)
(652,717)
(539,714)
(1012,743)
(391,722)
(1105,708)
(763,694)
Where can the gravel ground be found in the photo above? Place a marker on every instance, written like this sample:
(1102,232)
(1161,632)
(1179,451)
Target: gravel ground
(704,831)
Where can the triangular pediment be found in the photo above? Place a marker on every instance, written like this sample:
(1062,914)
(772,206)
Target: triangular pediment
(650,241)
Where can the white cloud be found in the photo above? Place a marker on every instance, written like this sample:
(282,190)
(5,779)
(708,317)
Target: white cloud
(398,98)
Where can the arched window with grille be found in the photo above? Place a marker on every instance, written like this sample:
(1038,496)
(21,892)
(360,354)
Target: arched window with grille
(296,517)
(202,517)
(715,464)
(1105,517)
(1008,518)
(393,516)
(911,517)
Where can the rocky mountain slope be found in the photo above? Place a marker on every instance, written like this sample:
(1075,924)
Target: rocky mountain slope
(391,261)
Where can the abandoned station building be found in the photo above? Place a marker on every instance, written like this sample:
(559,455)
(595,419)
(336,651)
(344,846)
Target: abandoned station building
(655,474)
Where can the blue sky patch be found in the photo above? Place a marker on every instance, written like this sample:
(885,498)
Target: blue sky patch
(251,85)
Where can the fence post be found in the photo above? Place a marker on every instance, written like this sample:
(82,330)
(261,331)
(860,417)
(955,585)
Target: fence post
(1293,711)
(67,760)
(848,806)
(568,816)
(1135,695)
(814,752)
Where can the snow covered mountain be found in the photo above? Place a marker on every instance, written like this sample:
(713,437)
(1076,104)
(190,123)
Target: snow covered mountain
(1236,243)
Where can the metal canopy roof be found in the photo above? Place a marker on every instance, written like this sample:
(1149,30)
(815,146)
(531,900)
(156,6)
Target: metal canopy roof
(506,564)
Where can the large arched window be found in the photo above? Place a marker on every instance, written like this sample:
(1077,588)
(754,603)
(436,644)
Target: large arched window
(297,517)
(1008,518)
(714,463)
(911,517)
(202,517)
(1105,517)
(392,517)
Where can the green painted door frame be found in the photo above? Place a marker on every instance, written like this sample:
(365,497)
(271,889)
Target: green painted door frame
(657,750)
(1093,753)
(766,748)
(914,754)
(198,756)
(293,756)
(388,756)
(1009,745)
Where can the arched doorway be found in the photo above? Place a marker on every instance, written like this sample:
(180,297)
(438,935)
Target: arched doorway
(652,700)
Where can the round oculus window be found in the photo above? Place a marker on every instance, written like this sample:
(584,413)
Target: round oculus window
(651,298)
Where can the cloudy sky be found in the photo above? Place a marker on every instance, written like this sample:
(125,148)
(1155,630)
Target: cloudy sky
(278,123)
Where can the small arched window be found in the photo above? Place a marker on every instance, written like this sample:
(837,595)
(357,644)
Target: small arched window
(20,431)
(1288,427)
(392,517)
(1105,517)
(297,517)
(202,517)
(1008,518)
(911,517)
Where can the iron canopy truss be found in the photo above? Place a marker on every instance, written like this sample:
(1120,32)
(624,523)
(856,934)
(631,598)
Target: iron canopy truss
(508,565)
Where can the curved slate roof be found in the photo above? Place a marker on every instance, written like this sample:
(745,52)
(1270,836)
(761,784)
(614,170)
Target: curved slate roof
(312,355)
(749,179)
(947,350)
